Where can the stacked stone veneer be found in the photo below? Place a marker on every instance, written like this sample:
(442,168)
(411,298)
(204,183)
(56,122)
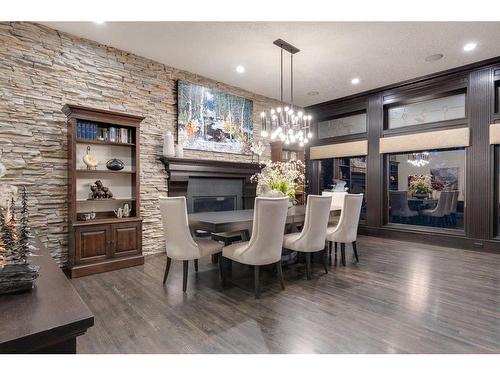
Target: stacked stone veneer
(42,69)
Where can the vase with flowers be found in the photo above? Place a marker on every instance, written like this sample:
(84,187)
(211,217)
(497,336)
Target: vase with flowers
(420,186)
(280,179)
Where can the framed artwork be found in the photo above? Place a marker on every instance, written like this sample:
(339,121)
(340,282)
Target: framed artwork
(444,178)
(212,120)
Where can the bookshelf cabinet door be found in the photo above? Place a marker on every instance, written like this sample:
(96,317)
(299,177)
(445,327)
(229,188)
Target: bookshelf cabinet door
(126,239)
(92,243)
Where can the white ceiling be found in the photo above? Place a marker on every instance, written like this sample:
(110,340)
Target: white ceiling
(332,53)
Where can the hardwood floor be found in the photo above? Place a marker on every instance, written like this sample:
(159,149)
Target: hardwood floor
(401,298)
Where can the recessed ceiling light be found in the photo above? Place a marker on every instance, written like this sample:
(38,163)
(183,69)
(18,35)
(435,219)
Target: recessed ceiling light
(435,57)
(313,93)
(98,22)
(240,69)
(355,81)
(470,46)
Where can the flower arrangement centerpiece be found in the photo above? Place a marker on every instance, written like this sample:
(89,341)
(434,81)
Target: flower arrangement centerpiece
(420,186)
(280,179)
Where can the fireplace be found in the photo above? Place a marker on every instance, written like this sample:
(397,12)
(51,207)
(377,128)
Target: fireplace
(211,185)
(214,194)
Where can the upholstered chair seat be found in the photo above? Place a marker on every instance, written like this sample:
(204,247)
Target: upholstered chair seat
(347,229)
(265,245)
(312,237)
(180,245)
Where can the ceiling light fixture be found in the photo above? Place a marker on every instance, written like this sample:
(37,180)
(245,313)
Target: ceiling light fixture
(240,69)
(419,159)
(355,81)
(285,123)
(470,47)
(98,22)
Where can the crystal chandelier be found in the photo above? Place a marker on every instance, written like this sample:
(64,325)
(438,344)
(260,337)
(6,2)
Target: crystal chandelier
(285,123)
(418,159)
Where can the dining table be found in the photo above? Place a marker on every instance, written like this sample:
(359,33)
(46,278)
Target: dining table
(240,220)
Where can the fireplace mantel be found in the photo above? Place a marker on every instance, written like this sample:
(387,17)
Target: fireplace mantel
(179,170)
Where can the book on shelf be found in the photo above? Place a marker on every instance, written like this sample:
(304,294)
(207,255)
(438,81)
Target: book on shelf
(87,130)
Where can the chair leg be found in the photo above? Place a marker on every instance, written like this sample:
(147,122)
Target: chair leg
(214,258)
(221,269)
(335,260)
(330,253)
(308,266)
(196,265)
(167,268)
(325,260)
(185,264)
(280,275)
(342,253)
(355,251)
(257,281)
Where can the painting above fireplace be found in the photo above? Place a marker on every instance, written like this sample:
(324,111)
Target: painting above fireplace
(212,120)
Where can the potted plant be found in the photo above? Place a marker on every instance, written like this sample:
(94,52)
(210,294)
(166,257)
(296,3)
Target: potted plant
(280,179)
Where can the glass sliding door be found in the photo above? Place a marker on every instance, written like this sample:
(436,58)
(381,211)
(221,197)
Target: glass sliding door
(427,188)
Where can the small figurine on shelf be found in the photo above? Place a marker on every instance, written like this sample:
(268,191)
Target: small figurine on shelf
(90,160)
(99,191)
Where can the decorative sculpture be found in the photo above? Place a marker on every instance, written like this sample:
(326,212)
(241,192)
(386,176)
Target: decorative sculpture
(16,274)
(90,160)
(99,191)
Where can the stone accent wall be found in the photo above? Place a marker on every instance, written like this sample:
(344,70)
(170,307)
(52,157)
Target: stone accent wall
(42,69)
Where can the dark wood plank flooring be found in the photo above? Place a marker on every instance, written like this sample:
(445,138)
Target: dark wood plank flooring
(401,298)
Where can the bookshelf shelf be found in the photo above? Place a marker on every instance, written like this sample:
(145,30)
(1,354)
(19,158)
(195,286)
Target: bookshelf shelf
(105,143)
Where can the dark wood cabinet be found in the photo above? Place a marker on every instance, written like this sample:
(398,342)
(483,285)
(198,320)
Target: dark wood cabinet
(99,240)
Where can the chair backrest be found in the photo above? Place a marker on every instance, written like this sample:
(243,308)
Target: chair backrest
(398,200)
(442,204)
(179,242)
(313,233)
(266,244)
(347,229)
(337,197)
(454,202)
(449,202)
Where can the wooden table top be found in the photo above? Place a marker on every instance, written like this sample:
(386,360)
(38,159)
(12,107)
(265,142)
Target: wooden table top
(51,313)
(241,216)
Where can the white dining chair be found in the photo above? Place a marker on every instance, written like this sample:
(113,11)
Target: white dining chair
(265,245)
(337,201)
(398,200)
(180,245)
(312,237)
(347,229)
(441,209)
(453,208)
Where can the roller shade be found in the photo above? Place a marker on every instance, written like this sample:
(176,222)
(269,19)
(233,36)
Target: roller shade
(494,134)
(425,141)
(339,150)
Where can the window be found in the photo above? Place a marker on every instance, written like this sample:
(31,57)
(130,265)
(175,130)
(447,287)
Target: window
(345,174)
(427,188)
(434,110)
(351,124)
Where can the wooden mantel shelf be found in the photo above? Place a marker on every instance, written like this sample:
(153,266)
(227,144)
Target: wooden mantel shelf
(177,167)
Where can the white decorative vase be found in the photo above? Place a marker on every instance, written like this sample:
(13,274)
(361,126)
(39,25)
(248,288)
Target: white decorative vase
(168,145)
(179,151)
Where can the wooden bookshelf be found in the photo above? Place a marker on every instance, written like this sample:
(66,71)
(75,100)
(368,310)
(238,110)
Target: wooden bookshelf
(106,242)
